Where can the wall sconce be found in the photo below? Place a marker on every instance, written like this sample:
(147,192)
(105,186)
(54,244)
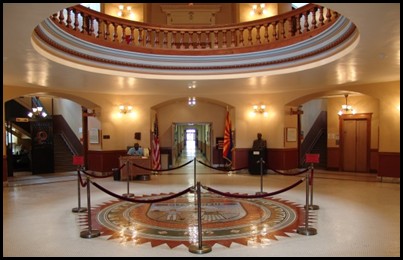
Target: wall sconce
(346,109)
(191,101)
(258,9)
(260,109)
(125,110)
(125,12)
(37,112)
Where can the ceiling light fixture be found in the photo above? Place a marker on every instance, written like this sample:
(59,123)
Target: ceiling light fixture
(191,101)
(37,112)
(346,109)
(192,85)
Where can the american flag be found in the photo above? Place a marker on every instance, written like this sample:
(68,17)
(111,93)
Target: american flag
(156,154)
(228,145)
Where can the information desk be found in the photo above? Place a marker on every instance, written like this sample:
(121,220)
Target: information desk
(134,172)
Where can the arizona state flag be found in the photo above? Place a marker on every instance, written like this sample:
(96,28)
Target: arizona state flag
(156,153)
(228,145)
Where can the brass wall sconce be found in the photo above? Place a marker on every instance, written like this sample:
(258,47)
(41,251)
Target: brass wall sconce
(125,12)
(258,9)
(125,109)
(261,109)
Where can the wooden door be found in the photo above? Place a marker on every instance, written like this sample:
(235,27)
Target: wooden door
(355,142)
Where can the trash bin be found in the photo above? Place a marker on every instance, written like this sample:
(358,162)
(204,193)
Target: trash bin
(116,174)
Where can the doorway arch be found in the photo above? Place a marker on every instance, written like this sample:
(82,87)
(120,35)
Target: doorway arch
(331,103)
(23,102)
(210,125)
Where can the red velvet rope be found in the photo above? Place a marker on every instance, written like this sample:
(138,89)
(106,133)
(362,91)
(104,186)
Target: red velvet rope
(82,183)
(143,200)
(123,165)
(232,195)
(163,170)
(96,176)
(218,169)
(290,174)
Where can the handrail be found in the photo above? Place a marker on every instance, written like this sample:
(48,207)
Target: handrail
(318,128)
(264,34)
(60,126)
(68,143)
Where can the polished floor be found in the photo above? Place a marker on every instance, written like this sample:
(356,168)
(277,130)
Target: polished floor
(358,215)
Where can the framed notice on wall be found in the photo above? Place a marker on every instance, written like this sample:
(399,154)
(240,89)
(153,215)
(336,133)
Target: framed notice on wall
(291,134)
(94,136)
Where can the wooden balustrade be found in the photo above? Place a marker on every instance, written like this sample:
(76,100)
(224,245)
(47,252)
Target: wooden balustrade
(264,34)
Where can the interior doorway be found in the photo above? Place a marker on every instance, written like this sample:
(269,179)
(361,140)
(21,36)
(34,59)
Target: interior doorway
(355,132)
(190,140)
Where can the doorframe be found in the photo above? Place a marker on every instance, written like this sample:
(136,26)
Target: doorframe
(358,116)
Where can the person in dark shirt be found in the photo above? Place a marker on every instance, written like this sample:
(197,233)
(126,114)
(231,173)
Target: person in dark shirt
(135,150)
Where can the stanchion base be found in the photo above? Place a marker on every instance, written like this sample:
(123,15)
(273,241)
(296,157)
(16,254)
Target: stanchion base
(79,209)
(90,233)
(306,231)
(128,195)
(260,193)
(196,250)
(313,207)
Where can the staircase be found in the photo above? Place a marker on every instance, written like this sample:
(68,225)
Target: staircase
(63,157)
(320,148)
(315,142)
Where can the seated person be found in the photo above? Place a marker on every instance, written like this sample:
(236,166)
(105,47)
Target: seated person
(135,150)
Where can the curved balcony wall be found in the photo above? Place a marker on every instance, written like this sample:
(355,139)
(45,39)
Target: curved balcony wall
(305,35)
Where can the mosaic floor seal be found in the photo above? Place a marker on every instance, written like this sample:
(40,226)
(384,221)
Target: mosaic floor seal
(175,222)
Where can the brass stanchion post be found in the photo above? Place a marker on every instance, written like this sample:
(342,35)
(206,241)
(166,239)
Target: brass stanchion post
(199,248)
(90,233)
(79,208)
(128,175)
(261,177)
(194,177)
(311,206)
(307,230)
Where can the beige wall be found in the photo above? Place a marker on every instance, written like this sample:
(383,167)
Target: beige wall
(121,129)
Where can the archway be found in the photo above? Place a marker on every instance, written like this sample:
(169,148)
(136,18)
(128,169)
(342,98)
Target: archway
(320,127)
(23,131)
(209,126)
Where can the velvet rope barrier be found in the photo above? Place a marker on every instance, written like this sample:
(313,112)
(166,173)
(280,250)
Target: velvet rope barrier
(163,170)
(141,201)
(232,195)
(96,176)
(79,208)
(83,184)
(290,174)
(218,169)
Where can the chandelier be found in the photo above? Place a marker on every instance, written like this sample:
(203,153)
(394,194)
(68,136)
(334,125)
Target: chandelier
(37,112)
(346,109)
